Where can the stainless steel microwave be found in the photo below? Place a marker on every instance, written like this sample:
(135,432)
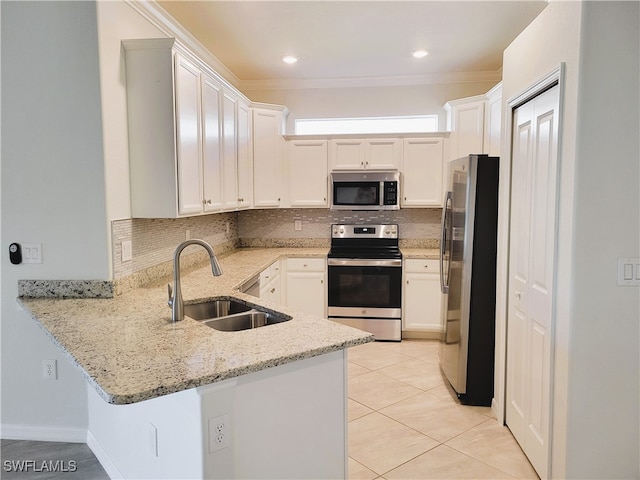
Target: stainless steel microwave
(365,190)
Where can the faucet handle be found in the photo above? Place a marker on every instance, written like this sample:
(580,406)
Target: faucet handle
(170,291)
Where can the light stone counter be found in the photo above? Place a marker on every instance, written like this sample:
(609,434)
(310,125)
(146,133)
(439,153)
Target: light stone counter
(429,253)
(130,351)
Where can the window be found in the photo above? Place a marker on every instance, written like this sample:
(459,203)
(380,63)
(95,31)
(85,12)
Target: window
(326,126)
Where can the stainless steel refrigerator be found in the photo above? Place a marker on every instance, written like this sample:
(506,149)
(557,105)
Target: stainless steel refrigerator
(468,277)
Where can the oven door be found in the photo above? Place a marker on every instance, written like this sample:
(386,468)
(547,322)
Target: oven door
(365,288)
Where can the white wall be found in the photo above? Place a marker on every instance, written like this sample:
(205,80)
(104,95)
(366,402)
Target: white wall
(117,21)
(65,177)
(604,363)
(596,371)
(53,192)
(369,101)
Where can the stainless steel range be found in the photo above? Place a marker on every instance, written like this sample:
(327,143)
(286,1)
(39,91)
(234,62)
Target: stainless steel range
(365,279)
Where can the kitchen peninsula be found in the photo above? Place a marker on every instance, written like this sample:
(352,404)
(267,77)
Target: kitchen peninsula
(183,400)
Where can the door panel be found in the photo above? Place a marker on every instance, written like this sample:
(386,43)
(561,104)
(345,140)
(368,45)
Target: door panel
(531,278)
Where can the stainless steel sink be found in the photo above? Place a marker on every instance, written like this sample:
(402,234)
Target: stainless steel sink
(229,315)
(245,321)
(214,309)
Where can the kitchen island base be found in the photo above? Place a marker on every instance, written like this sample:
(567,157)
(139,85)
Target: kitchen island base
(288,421)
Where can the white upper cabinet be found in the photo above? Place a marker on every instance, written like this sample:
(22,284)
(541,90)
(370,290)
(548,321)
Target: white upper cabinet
(465,120)
(306,173)
(189,128)
(245,156)
(212,145)
(268,145)
(383,154)
(423,172)
(230,153)
(362,154)
(183,137)
(493,121)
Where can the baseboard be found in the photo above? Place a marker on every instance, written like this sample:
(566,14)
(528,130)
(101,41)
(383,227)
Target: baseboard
(103,457)
(43,434)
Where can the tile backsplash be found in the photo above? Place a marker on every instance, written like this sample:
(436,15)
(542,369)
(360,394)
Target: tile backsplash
(154,241)
(417,227)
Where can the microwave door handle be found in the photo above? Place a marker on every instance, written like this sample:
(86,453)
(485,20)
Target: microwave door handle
(444,243)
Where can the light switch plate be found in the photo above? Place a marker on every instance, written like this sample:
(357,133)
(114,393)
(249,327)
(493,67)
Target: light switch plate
(628,271)
(31,253)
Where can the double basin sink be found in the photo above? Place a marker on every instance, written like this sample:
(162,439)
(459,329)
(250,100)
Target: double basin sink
(232,315)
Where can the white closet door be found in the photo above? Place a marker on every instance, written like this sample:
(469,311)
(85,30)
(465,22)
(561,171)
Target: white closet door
(531,275)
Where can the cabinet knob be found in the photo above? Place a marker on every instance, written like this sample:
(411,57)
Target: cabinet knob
(209,202)
(426,267)
(273,290)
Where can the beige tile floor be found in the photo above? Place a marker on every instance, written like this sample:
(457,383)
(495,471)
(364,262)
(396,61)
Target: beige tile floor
(405,423)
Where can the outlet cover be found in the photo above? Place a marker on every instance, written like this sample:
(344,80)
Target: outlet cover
(127,251)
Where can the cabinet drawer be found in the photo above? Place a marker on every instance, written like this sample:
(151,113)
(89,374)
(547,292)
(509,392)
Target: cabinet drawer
(419,265)
(269,273)
(306,264)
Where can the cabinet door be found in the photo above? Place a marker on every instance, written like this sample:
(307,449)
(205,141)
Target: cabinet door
(267,158)
(422,172)
(245,157)
(383,153)
(347,154)
(188,137)
(307,173)
(212,145)
(306,292)
(467,135)
(230,157)
(422,297)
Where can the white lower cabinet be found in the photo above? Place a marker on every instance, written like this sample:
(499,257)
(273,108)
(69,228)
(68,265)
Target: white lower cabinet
(306,289)
(270,283)
(422,309)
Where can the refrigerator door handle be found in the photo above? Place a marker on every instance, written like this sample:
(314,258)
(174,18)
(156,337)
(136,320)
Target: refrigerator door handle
(444,243)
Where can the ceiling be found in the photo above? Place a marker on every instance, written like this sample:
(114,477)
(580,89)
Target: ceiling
(355,40)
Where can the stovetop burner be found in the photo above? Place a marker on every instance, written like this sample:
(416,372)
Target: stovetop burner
(364,241)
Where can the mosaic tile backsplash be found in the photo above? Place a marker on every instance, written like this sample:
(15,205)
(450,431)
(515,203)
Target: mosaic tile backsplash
(418,228)
(154,240)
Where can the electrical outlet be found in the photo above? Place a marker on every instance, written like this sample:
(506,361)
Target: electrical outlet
(49,370)
(187,234)
(219,433)
(297,225)
(127,251)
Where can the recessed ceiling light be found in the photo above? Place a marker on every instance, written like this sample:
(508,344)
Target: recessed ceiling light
(420,53)
(290,59)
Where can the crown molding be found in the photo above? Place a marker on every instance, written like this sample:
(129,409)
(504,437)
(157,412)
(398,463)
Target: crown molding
(433,79)
(159,17)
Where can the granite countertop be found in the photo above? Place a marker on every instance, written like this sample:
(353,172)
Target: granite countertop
(129,350)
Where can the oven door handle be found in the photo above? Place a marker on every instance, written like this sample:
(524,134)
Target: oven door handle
(358,262)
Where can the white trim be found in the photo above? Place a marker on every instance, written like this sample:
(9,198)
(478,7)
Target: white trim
(302,84)
(43,433)
(158,16)
(104,459)
(499,404)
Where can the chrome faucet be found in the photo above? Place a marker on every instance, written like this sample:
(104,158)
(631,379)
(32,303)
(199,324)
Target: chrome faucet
(175,297)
